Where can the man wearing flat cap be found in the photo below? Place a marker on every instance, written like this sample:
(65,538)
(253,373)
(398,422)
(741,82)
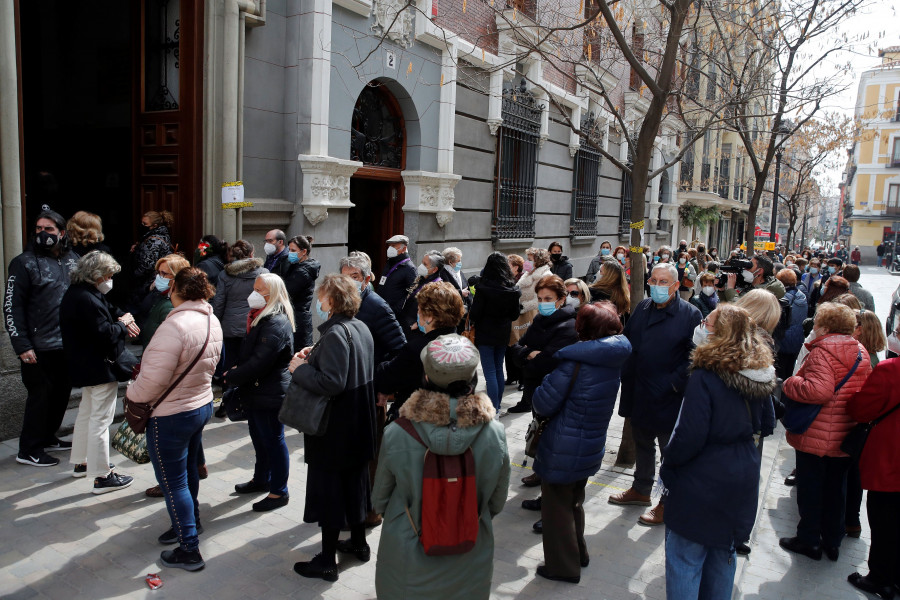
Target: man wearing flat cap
(399,274)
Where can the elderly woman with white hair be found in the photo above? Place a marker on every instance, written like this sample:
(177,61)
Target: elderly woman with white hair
(452,271)
(262,378)
(93,334)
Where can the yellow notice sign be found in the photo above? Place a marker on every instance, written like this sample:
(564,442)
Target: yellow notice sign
(233,195)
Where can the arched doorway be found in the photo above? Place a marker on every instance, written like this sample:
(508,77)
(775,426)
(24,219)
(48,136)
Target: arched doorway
(378,140)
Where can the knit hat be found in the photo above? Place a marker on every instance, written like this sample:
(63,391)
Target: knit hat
(450,358)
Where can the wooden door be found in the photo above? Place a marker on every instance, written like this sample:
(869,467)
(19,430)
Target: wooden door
(167,119)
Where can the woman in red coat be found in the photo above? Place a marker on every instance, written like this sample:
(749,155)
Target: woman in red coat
(880,475)
(821,466)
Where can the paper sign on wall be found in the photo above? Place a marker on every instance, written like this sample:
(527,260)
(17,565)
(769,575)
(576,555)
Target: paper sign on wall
(233,195)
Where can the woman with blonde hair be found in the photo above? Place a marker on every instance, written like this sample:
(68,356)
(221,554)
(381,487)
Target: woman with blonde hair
(262,378)
(578,292)
(711,466)
(85,231)
(612,285)
(763,308)
(158,305)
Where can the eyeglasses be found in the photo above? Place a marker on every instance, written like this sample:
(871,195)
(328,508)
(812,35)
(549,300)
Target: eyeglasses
(574,293)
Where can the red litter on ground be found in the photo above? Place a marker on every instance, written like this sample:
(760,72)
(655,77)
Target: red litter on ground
(153,581)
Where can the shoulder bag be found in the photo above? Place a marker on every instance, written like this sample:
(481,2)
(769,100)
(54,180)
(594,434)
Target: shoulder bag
(798,416)
(856,438)
(539,424)
(305,410)
(138,413)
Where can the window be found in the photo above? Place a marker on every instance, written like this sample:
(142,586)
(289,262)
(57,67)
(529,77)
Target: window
(724,170)
(711,83)
(517,156)
(693,80)
(626,192)
(895,153)
(586,184)
(687,167)
(637,47)
(893,199)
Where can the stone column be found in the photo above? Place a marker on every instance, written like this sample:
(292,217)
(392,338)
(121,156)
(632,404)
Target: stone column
(10,180)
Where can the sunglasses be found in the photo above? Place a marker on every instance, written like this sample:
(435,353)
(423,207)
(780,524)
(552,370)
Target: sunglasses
(574,293)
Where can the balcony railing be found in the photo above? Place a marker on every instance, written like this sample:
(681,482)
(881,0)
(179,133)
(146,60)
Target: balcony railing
(892,210)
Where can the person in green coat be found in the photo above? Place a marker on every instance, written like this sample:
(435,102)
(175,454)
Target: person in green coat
(449,417)
(159,303)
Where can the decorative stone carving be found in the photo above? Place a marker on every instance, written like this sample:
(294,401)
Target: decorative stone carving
(395,18)
(430,193)
(573,149)
(494,125)
(326,184)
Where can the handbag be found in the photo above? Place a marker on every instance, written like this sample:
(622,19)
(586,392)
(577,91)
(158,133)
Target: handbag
(131,445)
(798,416)
(138,413)
(469,331)
(857,437)
(234,409)
(124,364)
(520,326)
(307,411)
(539,424)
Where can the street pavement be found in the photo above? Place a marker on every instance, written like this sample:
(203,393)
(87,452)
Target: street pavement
(60,541)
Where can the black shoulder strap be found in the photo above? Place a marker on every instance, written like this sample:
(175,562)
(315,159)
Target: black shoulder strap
(850,372)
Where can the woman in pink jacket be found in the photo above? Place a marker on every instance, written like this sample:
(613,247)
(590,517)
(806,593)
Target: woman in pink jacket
(176,425)
(821,466)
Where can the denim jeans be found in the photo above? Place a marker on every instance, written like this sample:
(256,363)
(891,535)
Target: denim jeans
(272,456)
(697,571)
(492,365)
(173,443)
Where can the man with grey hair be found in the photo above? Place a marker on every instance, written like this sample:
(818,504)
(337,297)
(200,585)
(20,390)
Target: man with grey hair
(38,280)
(654,377)
(428,271)
(373,310)
(276,249)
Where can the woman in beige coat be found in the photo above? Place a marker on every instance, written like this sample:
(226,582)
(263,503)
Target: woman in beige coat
(176,426)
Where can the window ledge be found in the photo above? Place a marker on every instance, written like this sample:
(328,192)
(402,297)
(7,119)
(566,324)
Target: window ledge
(513,243)
(582,239)
(360,7)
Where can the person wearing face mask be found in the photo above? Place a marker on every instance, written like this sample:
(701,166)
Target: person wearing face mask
(158,305)
(830,268)
(612,285)
(399,273)
(664,253)
(38,279)
(553,328)
(706,299)
(578,293)
(373,310)
(851,274)
(660,330)
(428,271)
(790,344)
(339,366)
(594,267)
(687,275)
(154,243)
(93,332)
(438,313)
(812,276)
(682,247)
(262,378)
(761,275)
(560,264)
(276,250)
(230,302)
(537,264)
(452,273)
(711,465)
(299,273)
(210,257)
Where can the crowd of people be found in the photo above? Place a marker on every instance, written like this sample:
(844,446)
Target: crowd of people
(700,368)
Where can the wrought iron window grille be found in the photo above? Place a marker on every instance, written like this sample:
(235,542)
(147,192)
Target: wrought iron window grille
(586,182)
(376,133)
(163,54)
(517,158)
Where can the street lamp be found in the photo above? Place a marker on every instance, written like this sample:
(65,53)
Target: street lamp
(779,150)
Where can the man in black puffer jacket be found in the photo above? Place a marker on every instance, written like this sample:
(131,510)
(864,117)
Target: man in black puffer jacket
(374,311)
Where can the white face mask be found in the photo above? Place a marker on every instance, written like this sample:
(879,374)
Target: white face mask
(789,264)
(709,290)
(665,257)
(701,334)
(105,287)
(574,302)
(269,249)
(680,261)
(748,276)
(256,300)
(894,343)
(422,271)
(391,252)
(620,256)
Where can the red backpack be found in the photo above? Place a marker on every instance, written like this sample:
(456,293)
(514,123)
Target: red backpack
(450,517)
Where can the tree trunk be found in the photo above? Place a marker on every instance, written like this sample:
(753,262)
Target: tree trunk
(750,228)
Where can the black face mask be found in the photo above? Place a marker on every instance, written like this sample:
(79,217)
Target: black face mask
(143,230)
(46,241)
(555,257)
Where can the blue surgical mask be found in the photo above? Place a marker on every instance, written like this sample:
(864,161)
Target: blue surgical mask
(604,251)
(161,283)
(457,267)
(659,293)
(322,314)
(359,286)
(546,308)
(813,270)
(419,323)
(293,257)
(656,259)
(832,270)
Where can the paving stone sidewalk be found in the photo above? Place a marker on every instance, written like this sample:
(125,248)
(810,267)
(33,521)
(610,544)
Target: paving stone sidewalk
(60,541)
